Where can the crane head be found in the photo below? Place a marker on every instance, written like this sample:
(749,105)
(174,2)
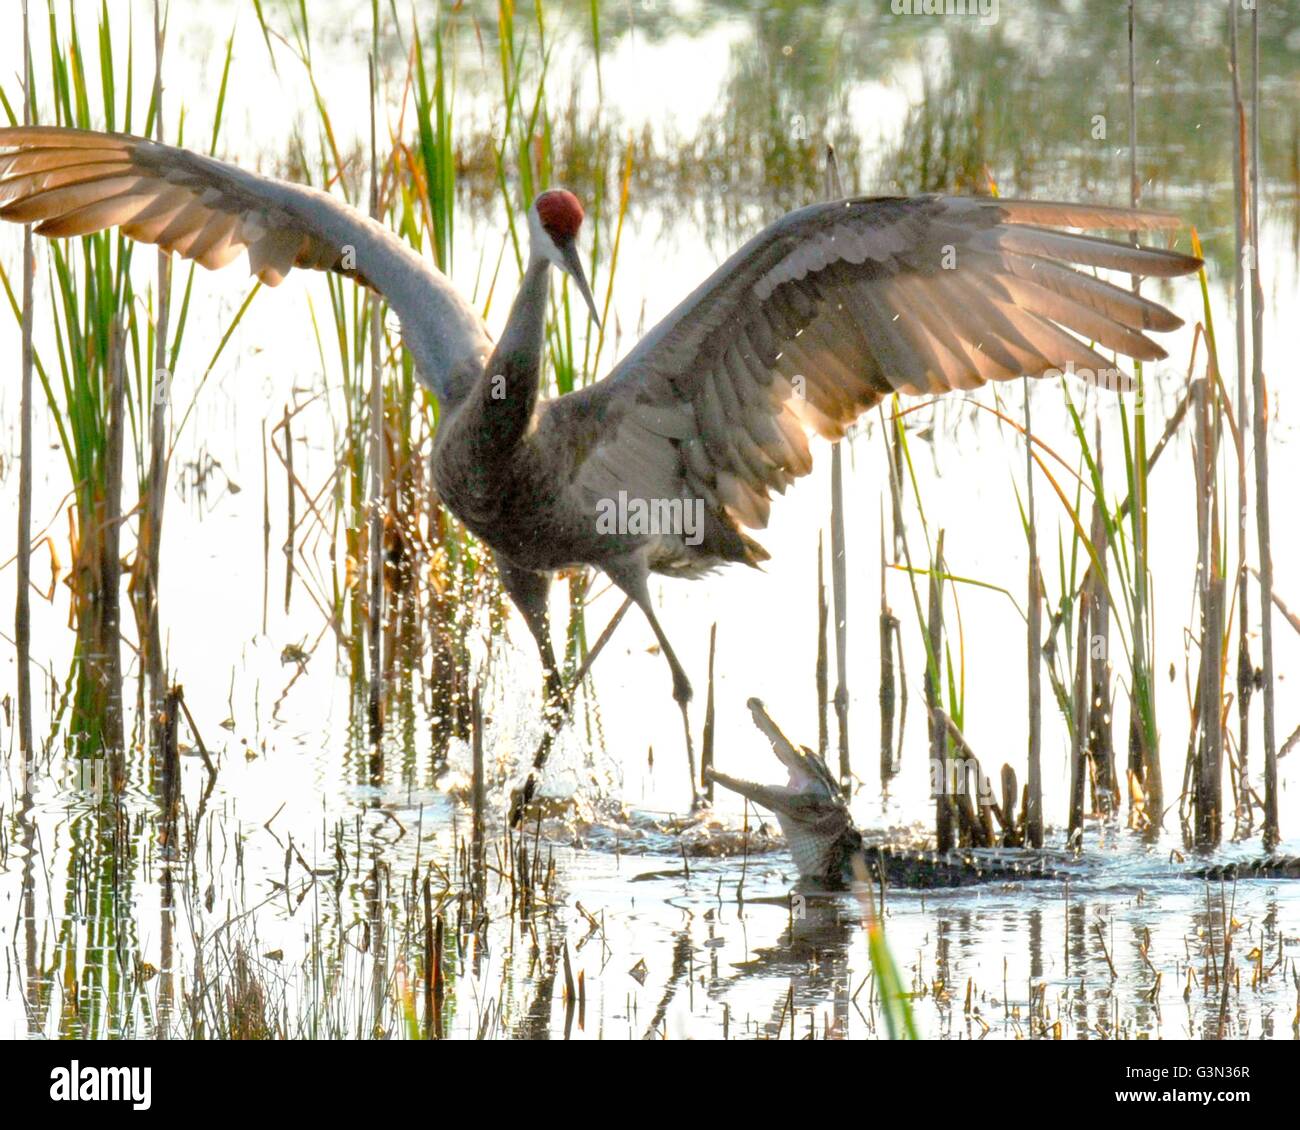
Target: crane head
(553,224)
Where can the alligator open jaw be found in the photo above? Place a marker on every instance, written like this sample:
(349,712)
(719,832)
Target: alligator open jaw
(810,808)
(814,816)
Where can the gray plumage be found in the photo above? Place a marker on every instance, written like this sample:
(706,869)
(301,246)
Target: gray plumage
(812,322)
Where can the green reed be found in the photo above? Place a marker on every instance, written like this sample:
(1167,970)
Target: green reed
(92,282)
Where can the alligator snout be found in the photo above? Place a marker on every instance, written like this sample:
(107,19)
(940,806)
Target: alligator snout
(810,808)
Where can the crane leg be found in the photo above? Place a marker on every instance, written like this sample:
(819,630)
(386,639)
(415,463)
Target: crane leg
(521,797)
(632,580)
(530,592)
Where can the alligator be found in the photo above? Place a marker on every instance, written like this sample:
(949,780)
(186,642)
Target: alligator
(830,852)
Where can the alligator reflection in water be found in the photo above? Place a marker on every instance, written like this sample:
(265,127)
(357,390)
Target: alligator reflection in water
(814,953)
(828,850)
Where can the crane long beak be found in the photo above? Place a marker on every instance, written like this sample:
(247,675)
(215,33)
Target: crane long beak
(573,265)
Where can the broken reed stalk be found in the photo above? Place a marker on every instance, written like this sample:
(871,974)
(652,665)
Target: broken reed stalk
(479,799)
(22,605)
(840,593)
(976,823)
(1034,784)
(710,722)
(889,628)
(1245,666)
(823,681)
(151,520)
(376,441)
(266,527)
(970,829)
(198,737)
(169,753)
(439,992)
(108,613)
(1271,830)
(430,1030)
(376,900)
(570,988)
(1079,722)
(1191,768)
(1209,803)
(1101,743)
(944,817)
(1012,834)
(1210,763)
(290,518)
(895,458)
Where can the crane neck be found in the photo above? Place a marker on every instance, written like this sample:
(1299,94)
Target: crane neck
(526,325)
(506,395)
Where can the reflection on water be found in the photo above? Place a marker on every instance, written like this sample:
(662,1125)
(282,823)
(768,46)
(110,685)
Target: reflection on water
(322,887)
(1112,959)
(599,955)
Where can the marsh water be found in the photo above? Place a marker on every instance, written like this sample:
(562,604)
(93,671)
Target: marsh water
(294,894)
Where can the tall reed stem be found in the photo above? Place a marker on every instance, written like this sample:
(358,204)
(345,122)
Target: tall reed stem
(22,606)
(151,519)
(1245,666)
(1144,757)
(376,436)
(1271,831)
(1034,783)
(839,555)
(940,767)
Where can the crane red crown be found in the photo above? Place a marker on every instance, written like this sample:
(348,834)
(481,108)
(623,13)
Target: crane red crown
(560,214)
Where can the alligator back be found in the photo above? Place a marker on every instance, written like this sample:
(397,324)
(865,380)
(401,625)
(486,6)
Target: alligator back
(914,869)
(1267,867)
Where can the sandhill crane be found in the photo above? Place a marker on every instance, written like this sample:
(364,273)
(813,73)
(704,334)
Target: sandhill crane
(811,322)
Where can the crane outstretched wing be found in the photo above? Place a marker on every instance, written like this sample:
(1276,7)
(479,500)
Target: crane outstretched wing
(840,304)
(73,182)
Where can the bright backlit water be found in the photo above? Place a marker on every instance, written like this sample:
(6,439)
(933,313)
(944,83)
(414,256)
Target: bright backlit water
(310,855)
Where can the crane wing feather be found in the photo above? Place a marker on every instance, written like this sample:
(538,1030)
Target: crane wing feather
(75,182)
(839,305)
